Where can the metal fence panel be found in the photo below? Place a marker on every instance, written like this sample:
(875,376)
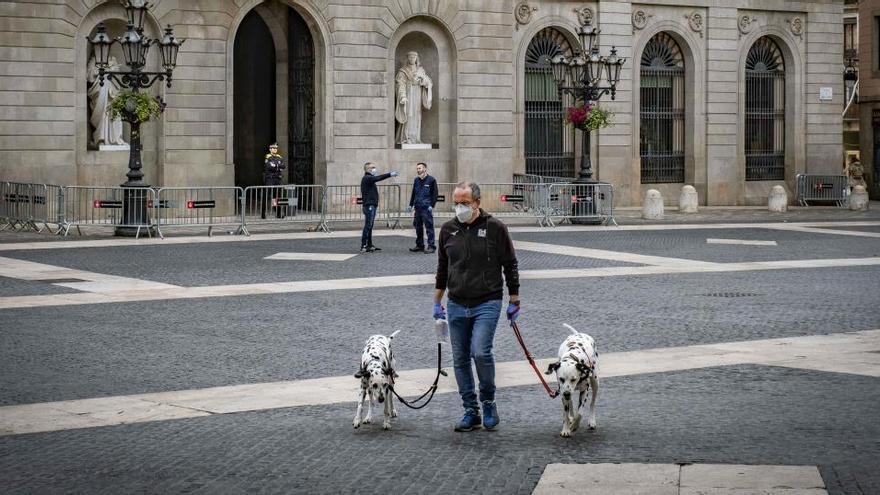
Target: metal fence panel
(822,188)
(47,207)
(104,207)
(593,201)
(345,204)
(198,207)
(509,200)
(284,204)
(19,200)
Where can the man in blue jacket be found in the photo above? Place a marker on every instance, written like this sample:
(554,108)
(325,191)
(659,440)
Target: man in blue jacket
(422,200)
(370,195)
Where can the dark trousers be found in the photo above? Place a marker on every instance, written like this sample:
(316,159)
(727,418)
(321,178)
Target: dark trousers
(369,218)
(268,197)
(423,220)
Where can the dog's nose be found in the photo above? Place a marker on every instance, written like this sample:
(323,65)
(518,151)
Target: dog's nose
(381,399)
(567,395)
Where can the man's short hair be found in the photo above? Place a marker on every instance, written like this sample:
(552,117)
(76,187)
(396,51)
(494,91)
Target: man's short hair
(367,166)
(475,189)
(422,164)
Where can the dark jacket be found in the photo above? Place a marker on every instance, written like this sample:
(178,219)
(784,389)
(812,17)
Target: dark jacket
(471,258)
(424,192)
(369,191)
(273,170)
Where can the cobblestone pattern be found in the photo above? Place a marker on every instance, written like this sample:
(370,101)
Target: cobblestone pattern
(742,414)
(691,244)
(111,349)
(11,287)
(242,262)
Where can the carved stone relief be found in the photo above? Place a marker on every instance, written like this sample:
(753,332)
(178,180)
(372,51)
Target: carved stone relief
(695,21)
(585,15)
(523,13)
(746,23)
(640,19)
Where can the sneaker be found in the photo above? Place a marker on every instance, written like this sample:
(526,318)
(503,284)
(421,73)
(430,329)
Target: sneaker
(363,249)
(416,249)
(490,413)
(373,248)
(469,421)
(430,250)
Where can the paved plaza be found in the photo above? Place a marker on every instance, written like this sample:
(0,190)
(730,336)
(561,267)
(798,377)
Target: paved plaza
(740,353)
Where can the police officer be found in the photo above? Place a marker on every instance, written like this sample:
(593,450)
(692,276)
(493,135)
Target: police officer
(422,200)
(273,174)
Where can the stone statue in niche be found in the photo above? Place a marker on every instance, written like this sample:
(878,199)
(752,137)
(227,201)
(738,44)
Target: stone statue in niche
(414,89)
(108,132)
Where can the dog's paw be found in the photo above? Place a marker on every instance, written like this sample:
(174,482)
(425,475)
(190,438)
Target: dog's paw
(386,425)
(356,424)
(367,420)
(393,413)
(565,433)
(592,426)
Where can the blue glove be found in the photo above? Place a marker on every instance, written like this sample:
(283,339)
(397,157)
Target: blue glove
(512,312)
(430,208)
(439,312)
(394,174)
(409,209)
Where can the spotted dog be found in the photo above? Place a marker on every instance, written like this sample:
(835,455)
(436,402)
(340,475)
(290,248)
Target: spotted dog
(576,369)
(377,377)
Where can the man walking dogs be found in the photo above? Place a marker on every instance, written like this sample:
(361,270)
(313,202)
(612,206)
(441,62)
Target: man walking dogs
(475,249)
(370,196)
(423,199)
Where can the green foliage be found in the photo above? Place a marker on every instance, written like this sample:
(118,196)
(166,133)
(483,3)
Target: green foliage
(129,105)
(598,118)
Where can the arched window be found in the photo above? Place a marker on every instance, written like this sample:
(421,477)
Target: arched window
(765,112)
(661,142)
(549,143)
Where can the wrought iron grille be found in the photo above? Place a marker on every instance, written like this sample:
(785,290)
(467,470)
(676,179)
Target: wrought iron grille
(301,101)
(765,112)
(661,141)
(549,143)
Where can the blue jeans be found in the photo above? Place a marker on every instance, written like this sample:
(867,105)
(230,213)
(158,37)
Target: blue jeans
(369,218)
(424,220)
(472,334)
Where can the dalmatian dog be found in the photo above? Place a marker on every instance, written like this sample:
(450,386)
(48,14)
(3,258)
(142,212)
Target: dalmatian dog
(576,370)
(377,378)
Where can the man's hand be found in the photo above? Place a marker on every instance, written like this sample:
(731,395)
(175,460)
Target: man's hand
(430,208)
(409,209)
(439,312)
(394,173)
(513,311)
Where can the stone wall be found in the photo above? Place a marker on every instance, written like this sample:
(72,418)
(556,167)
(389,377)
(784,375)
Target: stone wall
(477,116)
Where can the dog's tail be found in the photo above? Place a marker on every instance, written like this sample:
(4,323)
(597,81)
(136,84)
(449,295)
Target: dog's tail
(570,328)
(393,334)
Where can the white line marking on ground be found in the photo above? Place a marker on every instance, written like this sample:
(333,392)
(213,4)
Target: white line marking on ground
(740,242)
(676,479)
(91,281)
(853,353)
(121,295)
(406,232)
(609,255)
(814,230)
(310,257)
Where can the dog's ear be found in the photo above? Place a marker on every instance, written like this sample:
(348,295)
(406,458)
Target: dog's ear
(553,367)
(584,370)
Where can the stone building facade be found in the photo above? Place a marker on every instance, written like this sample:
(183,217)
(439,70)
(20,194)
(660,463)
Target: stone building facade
(869,93)
(722,95)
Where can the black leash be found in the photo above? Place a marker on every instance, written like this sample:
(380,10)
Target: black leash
(431,390)
(552,393)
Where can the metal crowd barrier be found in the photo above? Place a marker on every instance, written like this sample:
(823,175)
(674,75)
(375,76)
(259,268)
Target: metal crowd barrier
(282,205)
(198,207)
(48,207)
(591,202)
(822,188)
(345,204)
(18,205)
(106,207)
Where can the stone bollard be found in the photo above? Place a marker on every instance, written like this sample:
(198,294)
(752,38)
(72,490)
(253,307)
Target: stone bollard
(858,199)
(688,202)
(652,207)
(778,200)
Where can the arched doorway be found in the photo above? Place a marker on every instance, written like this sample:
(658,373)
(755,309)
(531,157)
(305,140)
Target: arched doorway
(549,143)
(765,112)
(260,98)
(662,109)
(254,98)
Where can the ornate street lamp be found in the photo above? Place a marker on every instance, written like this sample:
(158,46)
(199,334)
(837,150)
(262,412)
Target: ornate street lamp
(581,76)
(135,48)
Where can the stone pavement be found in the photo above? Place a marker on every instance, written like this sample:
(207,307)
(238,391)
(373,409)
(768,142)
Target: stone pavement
(715,354)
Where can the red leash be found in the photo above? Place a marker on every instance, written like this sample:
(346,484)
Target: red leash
(550,392)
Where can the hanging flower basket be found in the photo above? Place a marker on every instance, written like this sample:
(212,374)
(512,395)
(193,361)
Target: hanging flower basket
(588,118)
(136,107)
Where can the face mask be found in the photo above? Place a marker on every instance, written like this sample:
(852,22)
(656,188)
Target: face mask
(463,213)
(373,171)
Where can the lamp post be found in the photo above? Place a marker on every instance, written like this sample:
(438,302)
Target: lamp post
(135,47)
(581,76)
